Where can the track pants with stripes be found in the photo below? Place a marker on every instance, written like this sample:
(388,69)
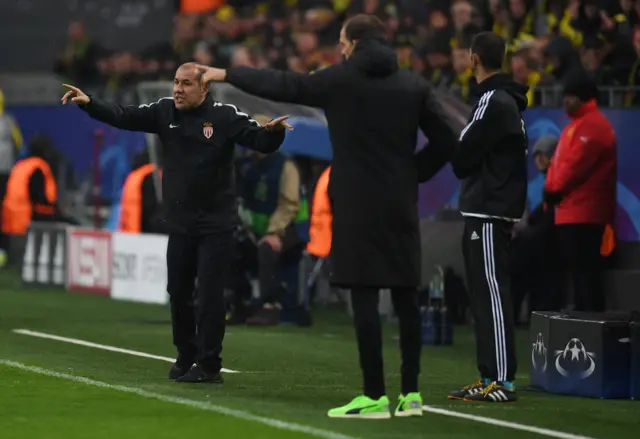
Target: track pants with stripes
(485,247)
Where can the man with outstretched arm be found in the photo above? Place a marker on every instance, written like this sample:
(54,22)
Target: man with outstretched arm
(374,110)
(198,136)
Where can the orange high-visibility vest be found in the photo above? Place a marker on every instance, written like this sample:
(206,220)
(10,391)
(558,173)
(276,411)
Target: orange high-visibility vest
(131,200)
(608,241)
(320,232)
(199,6)
(17,208)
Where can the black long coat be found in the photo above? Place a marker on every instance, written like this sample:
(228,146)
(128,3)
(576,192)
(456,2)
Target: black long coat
(374,111)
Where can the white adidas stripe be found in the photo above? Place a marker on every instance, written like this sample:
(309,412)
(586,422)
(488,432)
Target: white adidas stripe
(481,109)
(496,302)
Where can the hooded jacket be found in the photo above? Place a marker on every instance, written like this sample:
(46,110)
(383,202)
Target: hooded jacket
(374,110)
(491,158)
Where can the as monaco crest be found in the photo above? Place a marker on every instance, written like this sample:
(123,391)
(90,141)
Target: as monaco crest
(207,129)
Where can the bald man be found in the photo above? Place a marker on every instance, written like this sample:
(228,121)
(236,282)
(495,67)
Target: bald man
(198,136)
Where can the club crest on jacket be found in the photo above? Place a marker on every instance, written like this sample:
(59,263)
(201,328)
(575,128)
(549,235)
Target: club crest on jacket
(207,129)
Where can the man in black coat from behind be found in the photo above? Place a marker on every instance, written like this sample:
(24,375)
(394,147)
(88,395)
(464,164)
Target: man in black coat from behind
(374,110)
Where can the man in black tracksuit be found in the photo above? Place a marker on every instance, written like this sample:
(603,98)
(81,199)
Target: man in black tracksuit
(491,161)
(198,137)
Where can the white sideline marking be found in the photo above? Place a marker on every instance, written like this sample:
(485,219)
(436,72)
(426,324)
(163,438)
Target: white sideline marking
(505,424)
(104,347)
(275,423)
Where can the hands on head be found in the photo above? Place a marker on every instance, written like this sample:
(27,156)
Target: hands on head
(75,95)
(214,74)
(211,74)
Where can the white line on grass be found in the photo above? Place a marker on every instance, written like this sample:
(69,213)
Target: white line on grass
(275,423)
(99,346)
(505,424)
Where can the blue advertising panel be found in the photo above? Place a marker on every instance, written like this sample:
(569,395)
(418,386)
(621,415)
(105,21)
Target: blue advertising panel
(72,132)
(443,188)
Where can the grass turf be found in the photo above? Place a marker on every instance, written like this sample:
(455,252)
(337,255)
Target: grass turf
(289,374)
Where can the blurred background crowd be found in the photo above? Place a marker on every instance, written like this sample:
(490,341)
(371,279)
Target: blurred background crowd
(547,39)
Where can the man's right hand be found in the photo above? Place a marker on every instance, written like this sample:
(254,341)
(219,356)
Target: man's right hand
(75,94)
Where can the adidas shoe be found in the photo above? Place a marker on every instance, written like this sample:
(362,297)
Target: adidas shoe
(409,405)
(469,390)
(494,392)
(363,407)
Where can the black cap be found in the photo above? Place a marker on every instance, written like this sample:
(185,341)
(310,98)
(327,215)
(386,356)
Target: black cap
(579,84)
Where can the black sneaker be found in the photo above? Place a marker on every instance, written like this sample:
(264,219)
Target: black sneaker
(197,375)
(494,392)
(471,389)
(179,369)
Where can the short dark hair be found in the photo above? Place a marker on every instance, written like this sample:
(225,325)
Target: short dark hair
(490,48)
(364,26)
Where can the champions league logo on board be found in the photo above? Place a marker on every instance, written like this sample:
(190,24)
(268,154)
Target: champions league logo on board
(575,361)
(539,354)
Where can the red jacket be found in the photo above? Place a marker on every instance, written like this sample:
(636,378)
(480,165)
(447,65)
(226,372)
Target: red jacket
(583,169)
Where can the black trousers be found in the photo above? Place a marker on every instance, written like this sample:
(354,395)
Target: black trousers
(366,318)
(535,270)
(485,245)
(269,262)
(580,245)
(198,331)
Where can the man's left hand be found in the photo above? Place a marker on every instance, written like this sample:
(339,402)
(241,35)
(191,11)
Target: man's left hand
(278,124)
(212,74)
(274,242)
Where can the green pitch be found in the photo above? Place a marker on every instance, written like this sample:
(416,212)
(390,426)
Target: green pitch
(289,378)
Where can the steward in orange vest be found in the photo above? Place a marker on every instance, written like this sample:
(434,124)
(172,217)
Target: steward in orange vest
(138,202)
(31,195)
(320,233)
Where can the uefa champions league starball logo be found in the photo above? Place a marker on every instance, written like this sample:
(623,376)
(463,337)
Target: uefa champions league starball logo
(539,354)
(575,360)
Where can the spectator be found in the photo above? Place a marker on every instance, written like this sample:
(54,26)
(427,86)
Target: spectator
(632,75)
(524,72)
(438,52)
(122,77)
(560,59)
(534,251)
(10,144)
(464,75)
(463,27)
(203,54)
(521,23)
(591,55)
(560,36)
(78,61)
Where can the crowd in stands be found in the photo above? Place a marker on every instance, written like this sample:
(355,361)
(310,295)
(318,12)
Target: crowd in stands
(547,39)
